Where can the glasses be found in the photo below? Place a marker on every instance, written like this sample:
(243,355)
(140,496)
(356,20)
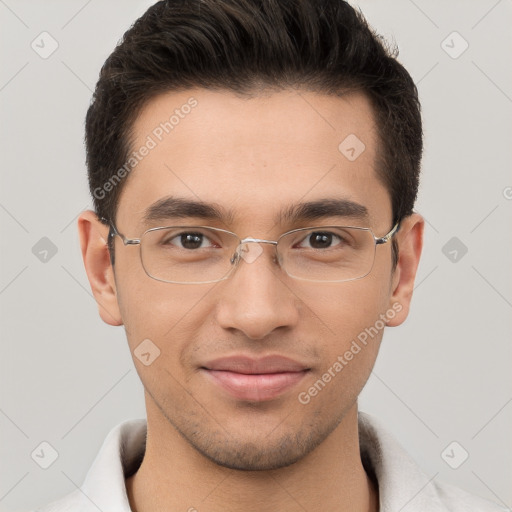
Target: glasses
(202,254)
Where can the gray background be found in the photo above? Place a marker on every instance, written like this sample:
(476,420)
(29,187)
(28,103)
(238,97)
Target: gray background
(444,376)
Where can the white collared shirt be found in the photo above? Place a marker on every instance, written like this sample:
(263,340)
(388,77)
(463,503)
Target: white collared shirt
(402,484)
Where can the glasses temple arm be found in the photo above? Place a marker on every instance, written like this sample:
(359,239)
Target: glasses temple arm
(386,238)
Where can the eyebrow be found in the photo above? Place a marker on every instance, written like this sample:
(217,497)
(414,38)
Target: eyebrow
(170,207)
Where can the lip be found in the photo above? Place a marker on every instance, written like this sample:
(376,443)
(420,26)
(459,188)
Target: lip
(255,380)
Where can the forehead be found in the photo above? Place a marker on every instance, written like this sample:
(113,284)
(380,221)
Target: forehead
(253,156)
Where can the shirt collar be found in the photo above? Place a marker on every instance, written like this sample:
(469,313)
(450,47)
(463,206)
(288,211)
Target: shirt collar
(402,484)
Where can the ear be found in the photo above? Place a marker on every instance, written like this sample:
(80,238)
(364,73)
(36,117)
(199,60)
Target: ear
(93,241)
(410,243)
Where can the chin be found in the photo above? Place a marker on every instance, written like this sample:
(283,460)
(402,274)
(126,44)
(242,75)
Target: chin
(262,454)
(250,457)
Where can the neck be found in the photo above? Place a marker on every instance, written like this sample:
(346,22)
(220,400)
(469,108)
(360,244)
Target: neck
(174,476)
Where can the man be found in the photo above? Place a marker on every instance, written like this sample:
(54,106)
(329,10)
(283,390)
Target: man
(254,166)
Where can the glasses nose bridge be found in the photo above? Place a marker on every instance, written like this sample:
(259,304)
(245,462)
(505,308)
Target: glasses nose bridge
(248,240)
(257,240)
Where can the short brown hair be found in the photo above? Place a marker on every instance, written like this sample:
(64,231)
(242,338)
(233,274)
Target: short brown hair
(325,46)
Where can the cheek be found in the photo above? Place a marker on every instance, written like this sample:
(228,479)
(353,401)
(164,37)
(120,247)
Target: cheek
(346,313)
(347,328)
(161,312)
(345,309)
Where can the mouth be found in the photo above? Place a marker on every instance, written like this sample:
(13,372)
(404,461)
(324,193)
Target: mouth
(255,380)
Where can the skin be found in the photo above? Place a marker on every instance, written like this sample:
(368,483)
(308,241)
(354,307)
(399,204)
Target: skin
(206,449)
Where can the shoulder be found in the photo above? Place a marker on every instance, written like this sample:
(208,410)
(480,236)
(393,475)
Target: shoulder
(402,483)
(73,501)
(456,499)
(104,487)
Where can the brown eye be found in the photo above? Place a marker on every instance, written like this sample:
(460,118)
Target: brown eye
(187,240)
(321,240)
(191,240)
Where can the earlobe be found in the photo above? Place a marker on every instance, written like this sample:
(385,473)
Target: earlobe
(410,244)
(93,241)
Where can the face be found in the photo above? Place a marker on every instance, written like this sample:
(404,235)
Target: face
(300,345)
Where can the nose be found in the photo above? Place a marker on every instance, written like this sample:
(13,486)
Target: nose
(257,299)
